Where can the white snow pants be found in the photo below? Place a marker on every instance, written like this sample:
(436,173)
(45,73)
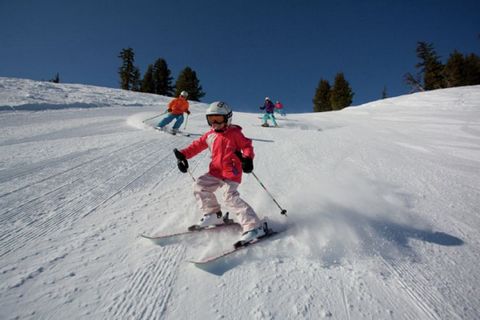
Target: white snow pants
(204,189)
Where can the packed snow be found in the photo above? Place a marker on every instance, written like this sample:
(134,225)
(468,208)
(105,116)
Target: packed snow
(383,210)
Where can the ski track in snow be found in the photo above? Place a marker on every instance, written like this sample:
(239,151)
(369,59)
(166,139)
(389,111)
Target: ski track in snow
(382,211)
(420,293)
(148,288)
(91,195)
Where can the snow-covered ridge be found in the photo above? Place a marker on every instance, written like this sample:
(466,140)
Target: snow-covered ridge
(24,94)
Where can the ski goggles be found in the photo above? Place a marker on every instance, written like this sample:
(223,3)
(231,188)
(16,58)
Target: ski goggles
(216,118)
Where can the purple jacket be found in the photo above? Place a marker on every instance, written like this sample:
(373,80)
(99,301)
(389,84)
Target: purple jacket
(268,106)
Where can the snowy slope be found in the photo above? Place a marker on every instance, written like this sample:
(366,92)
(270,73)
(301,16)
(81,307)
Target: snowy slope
(382,200)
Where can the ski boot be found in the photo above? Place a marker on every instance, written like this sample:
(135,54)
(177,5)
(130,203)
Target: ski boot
(265,124)
(252,235)
(211,220)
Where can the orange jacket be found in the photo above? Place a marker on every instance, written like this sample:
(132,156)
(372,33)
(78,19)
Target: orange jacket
(178,106)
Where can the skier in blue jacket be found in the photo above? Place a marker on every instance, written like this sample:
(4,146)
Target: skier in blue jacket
(269,108)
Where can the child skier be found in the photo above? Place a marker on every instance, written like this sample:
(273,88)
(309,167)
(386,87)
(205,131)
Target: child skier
(269,108)
(231,152)
(175,110)
(279,108)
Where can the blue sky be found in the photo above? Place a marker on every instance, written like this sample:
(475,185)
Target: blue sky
(242,51)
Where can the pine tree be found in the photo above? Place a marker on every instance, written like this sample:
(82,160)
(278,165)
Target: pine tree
(430,66)
(341,95)
(162,79)
(415,82)
(455,70)
(462,70)
(56,79)
(384,92)
(129,74)
(472,70)
(321,100)
(187,80)
(147,82)
(136,82)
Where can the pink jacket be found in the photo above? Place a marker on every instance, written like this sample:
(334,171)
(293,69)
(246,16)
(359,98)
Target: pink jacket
(224,164)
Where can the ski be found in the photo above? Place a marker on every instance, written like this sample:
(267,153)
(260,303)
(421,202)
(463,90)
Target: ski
(166,239)
(173,133)
(211,260)
(181,133)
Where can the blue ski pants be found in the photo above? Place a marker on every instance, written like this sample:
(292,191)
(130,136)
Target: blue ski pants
(169,118)
(270,116)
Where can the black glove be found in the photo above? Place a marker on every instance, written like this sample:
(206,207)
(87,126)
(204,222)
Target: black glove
(247,163)
(182,162)
(188,112)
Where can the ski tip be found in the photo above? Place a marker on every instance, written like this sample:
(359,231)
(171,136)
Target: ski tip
(213,268)
(153,239)
(202,264)
(217,265)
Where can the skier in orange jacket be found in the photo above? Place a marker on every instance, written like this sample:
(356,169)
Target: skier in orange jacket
(176,108)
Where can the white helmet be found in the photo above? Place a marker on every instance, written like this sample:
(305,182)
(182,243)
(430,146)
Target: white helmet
(267,98)
(220,108)
(184,94)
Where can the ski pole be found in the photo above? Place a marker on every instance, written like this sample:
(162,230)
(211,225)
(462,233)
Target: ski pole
(158,115)
(191,175)
(284,211)
(186,120)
